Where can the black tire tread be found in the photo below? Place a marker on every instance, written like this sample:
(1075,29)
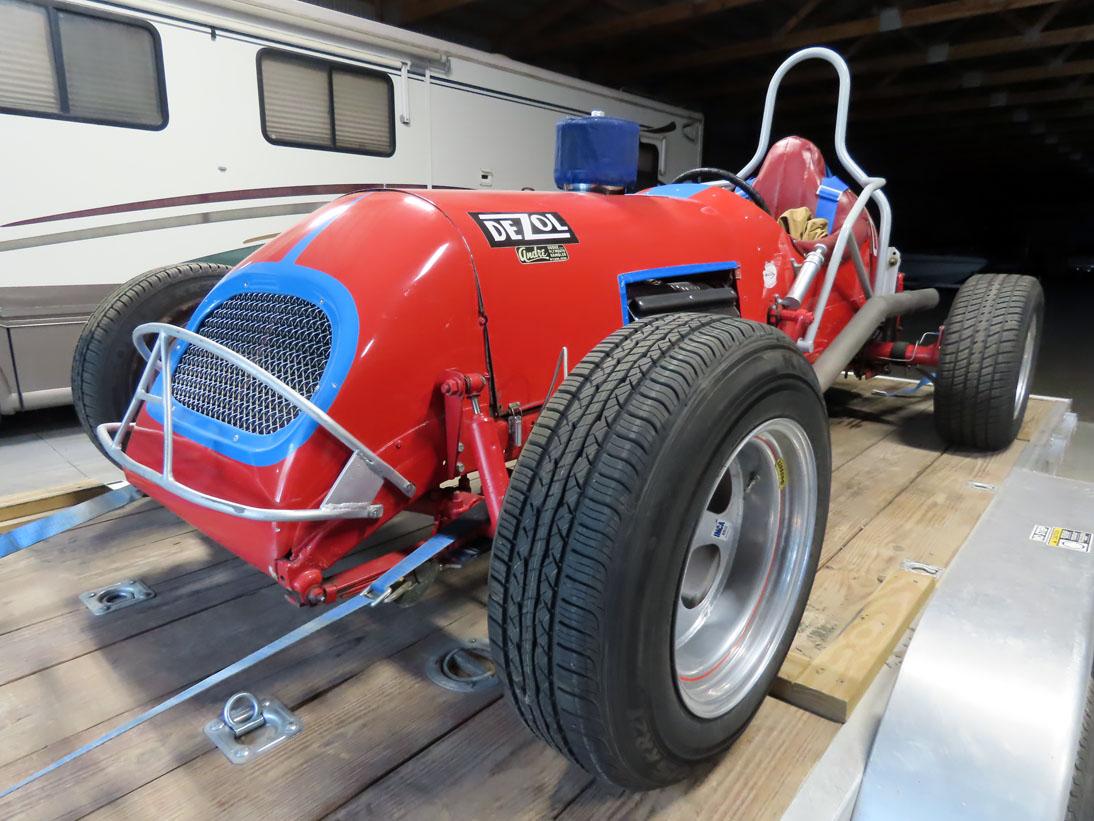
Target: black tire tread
(99,334)
(566,499)
(982,347)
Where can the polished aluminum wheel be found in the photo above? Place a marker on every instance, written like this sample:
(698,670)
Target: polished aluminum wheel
(1022,389)
(745,567)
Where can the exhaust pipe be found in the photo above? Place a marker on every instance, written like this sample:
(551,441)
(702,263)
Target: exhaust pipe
(877,309)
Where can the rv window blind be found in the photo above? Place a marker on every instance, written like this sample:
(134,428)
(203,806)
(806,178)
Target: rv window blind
(362,116)
(110,70)
(318,104)
(74,65)
(296,101)
(27,76)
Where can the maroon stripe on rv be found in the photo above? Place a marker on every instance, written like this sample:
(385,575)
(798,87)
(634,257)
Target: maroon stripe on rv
(215,196)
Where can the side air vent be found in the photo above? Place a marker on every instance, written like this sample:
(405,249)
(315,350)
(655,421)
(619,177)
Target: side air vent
(285,335)
(707,292)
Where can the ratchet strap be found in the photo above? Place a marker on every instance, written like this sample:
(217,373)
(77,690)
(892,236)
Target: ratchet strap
(374,594)
(41,529)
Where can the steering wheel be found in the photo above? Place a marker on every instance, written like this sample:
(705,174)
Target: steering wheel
(720,173)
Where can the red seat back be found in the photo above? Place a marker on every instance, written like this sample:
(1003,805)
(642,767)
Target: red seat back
(789,178)
(790,175)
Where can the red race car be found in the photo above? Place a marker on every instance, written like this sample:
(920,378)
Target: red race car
(654,363)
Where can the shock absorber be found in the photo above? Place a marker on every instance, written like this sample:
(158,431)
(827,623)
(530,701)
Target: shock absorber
(813,262)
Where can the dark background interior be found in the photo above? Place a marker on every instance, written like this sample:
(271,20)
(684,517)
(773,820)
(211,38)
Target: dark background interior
(986,151)
(979,113)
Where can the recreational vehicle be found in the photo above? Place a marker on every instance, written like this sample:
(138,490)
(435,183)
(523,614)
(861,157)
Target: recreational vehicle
(149,133)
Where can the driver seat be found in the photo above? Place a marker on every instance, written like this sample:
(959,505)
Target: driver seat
(793,175)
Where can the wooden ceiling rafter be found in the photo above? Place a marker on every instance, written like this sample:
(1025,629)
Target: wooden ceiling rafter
(877,23)
(965,81)
(415,11)
(541,21)
(1069,38)
(663,14)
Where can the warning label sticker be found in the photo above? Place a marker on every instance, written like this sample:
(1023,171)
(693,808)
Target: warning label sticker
(1062,537)
(780,471)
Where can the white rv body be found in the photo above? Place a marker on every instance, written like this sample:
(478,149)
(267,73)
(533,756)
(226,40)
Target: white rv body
(89,205)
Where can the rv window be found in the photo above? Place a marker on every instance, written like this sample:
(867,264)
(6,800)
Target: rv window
(110,70)
(26,61)
(76,66)
(316,104)
(649,160)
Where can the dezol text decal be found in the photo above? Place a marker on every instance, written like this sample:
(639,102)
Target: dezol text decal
(504,230)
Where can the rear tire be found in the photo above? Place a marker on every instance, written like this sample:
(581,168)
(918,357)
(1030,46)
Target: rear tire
(989,351)
(106,365)
(596,542)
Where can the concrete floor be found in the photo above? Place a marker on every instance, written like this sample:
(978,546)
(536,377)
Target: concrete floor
(46,449)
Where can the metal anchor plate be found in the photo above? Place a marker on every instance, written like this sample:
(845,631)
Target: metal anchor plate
(248,727)
(464,668)
(115,596)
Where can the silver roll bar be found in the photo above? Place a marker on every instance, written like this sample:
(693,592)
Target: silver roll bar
(114,435)
(846,234)
(884,274)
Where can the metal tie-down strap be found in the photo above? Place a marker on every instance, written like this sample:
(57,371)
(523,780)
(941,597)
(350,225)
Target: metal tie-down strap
(374,594)
(48,526)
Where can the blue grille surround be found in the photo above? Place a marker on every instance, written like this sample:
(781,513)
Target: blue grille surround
(310,313)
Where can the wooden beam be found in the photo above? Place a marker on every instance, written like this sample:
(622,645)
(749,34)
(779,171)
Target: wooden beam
(1006,77)
(538,21)
(1045,19)
(955,53)
(20,508)
(1073,115)
(874,24)
(967,82)
(1003,140)
(413,11)
(1050,114)
(833,683)
(978,49)
(796,18)
(977,103)
(661,15)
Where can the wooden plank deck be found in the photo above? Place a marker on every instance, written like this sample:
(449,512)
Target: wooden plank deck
(378,737)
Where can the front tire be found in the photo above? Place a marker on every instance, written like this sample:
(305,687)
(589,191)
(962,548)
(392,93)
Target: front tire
(105,364)
(985,368)
(602,563)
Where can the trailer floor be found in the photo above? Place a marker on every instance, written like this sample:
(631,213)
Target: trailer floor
(378,736)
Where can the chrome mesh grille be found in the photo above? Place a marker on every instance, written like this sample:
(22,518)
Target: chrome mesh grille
(285,335)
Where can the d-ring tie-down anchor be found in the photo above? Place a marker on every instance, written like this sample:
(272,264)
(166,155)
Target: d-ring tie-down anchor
(374,594)
(252,719)
(248,727)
